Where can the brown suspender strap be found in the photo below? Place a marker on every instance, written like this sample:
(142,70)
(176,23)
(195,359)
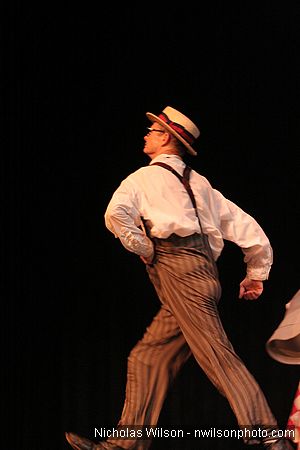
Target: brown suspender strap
(185,181)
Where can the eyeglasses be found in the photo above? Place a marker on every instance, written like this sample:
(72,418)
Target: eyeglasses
(153,129)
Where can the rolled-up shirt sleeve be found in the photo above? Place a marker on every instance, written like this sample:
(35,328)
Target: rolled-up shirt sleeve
(123,219)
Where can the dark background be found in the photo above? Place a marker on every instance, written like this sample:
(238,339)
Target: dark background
(77,83)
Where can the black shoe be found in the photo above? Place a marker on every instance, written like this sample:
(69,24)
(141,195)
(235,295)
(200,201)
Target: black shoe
(281,444)
(81,443)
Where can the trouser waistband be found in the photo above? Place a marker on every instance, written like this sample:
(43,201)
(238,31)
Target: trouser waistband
(193,240)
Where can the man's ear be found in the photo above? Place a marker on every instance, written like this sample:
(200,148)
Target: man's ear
(166,138)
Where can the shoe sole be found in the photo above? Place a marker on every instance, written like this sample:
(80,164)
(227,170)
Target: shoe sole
(72,443)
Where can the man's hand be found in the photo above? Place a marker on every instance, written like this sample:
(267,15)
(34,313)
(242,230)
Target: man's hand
(148,260)
(251,289)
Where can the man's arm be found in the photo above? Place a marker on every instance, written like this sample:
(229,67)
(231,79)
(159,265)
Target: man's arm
(122,218)
(242,229)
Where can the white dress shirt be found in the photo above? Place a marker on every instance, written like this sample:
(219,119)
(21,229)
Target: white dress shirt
(157,196)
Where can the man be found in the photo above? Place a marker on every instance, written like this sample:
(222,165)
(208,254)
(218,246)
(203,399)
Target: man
(177,228)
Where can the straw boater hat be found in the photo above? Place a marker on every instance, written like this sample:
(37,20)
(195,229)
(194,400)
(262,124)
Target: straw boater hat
(284,344)
(179,125)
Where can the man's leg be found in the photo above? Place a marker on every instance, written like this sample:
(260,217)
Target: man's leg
(152,366)
(187,283)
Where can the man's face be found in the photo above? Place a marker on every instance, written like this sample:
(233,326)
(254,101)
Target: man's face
(154,140)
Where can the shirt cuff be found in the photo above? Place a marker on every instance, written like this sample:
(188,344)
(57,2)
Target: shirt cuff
(258,273)
(137,243)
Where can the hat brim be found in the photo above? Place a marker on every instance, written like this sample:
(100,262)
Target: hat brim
(284,344)
(154,118)
(286,351)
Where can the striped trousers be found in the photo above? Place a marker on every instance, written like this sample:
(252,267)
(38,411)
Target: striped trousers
(186,280)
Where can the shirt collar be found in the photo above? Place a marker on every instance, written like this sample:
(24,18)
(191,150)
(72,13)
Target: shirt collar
(163,157)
